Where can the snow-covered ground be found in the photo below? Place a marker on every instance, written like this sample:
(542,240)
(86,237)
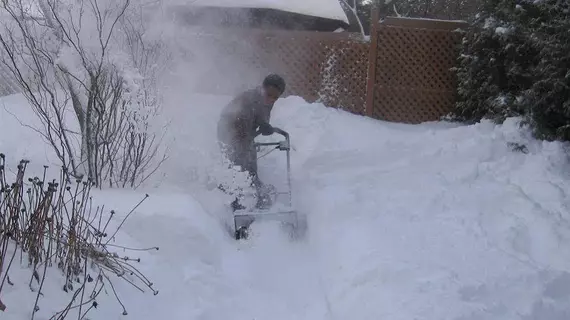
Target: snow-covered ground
(434,222)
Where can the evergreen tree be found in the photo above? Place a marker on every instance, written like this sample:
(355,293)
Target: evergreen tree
(549,97)
(495,65)
(515,61)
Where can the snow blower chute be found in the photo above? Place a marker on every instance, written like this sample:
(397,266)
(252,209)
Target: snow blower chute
(281,210)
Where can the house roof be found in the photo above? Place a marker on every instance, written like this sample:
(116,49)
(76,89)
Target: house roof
(328,9)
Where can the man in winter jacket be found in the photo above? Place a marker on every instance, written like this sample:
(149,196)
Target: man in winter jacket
(243,119)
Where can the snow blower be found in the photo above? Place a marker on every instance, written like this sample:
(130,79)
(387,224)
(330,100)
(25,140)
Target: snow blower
(281,210)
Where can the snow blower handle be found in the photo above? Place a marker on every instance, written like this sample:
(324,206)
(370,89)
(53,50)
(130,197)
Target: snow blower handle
(281,145)
(284,145)
(281,132)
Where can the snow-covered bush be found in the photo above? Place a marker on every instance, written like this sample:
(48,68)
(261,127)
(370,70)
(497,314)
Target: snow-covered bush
(514,62)
(88,60)
(495,64)
(549,97)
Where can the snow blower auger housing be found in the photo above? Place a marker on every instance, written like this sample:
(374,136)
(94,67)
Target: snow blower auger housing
(281,211)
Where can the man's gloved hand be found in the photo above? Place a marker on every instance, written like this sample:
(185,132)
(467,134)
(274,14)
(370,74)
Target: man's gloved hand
(266,129)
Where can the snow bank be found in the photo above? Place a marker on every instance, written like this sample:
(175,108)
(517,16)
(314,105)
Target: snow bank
(183,270)
(434,221)
(190,238)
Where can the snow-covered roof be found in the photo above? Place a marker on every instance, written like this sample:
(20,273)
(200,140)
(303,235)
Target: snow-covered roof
(329,9)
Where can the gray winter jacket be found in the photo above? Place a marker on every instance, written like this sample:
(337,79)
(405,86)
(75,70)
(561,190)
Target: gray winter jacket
(242,117)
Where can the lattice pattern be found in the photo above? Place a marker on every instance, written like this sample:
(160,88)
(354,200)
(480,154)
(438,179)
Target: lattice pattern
(315,66)
(410,105)
(414,82)
(345,75)
(298,59)
(328,67)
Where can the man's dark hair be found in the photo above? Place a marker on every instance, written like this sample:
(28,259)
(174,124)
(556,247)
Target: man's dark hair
(275,80)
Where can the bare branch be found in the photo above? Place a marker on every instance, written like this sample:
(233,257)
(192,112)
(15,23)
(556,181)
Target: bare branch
(353,8)
(95,60)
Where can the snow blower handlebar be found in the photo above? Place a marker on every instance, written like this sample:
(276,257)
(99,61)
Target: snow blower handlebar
(282,146)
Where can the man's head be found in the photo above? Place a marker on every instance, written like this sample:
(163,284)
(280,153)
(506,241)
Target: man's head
(273,86)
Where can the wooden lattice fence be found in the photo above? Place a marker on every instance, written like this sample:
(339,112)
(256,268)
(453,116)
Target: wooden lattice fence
(401,74)
(411,79)
(327,67)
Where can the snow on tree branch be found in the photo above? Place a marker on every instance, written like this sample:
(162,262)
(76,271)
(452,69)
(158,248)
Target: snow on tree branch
(354,9)
(88,60)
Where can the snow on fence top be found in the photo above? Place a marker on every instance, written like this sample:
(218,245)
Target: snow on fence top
(329,9)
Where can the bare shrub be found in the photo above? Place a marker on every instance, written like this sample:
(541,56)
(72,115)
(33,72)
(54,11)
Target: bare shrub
(90,61)
(53,223)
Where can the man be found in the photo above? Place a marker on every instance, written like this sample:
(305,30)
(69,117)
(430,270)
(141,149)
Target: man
(243,119)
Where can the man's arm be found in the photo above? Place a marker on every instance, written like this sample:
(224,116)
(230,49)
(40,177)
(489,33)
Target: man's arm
(235,116)
(263,115)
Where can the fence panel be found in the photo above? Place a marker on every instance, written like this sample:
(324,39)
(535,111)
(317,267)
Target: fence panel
(402,75)
(317,66)
(413,78)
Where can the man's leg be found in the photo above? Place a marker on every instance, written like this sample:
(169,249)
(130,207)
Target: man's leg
(245,156)
(263,198)
(232,154)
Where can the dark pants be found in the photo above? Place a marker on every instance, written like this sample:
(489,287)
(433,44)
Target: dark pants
(245,156)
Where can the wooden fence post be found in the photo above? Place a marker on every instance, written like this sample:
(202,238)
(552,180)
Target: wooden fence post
(372,56)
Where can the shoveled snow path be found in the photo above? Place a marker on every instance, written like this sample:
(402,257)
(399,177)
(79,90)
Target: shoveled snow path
(274,278)
(214,276)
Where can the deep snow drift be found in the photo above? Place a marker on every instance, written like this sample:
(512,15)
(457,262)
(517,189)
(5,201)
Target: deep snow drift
(430,222)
